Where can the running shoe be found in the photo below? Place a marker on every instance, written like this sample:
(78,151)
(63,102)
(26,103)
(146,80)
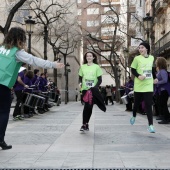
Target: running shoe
(132,120)
(16,118)
(151,129)
(83,128)
(20,117)
(87,126)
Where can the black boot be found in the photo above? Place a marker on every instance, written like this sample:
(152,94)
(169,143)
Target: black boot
(4,146)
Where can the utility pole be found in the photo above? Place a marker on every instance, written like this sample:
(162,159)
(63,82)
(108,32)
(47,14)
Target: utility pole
(128,39)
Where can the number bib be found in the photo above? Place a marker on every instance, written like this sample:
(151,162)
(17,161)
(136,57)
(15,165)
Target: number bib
(148,74)
(89,83)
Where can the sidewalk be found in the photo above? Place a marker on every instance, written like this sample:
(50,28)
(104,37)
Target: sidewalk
(53,140)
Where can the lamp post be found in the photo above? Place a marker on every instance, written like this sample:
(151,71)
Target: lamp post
(29,29)
(66,89)
(56,52)
(147,21)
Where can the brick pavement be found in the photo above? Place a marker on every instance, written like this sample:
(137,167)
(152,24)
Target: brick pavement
(53,140)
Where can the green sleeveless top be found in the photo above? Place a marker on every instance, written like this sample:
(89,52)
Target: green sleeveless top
(8,66)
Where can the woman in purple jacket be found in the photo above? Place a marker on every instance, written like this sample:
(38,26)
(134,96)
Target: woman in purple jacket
(162,89)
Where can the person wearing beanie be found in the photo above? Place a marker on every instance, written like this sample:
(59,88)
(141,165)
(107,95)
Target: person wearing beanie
(146,45)
(142,69)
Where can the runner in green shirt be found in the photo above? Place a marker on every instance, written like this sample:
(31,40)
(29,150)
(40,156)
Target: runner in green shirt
(89,76)
(143,83)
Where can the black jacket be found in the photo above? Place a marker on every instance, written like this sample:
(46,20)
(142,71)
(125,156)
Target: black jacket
(98,99)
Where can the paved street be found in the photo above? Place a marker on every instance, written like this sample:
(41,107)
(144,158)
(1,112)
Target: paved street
(53,140)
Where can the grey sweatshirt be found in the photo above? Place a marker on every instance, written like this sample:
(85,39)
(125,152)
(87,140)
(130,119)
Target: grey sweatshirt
(23,56)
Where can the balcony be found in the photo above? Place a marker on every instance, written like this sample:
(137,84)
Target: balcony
(160,5)
(162,45)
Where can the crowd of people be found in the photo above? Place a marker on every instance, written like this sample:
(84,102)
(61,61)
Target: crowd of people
(33,82)
(150,86)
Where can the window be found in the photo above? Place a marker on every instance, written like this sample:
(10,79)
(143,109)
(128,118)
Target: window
(90,1)
(132,18)
(108,19)
(91,46)
(79,11)
(92,23)
(92,11)
(94,34)
(79,22)
(140,3)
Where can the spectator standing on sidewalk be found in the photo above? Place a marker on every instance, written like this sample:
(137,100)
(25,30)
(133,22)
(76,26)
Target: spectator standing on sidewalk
(128,88)
(18,89)
(109,95)
(76,94)
(90,76)
(143,84)
(12,55)
(162,89)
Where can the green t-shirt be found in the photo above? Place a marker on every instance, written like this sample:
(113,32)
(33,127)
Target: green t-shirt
(89,75)
(144,67)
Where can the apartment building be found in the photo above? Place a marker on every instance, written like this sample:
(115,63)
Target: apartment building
(160,11)
(162,28)
(95,18)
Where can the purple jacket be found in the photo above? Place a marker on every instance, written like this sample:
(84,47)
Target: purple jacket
(129,85)
(18,86)
(163,83)
(28,82)
(34,79)
(42,84)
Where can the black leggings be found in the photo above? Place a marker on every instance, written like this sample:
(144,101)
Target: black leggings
(5,104)
(87,111)
(147,97)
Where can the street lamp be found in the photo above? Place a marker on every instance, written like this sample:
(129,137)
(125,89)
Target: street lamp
(67,66)
(147,21)
(29,29)
(56,58)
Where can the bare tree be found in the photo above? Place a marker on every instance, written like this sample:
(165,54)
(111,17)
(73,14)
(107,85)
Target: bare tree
(47,13)
(10,17)
(65,39)
(110,42)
